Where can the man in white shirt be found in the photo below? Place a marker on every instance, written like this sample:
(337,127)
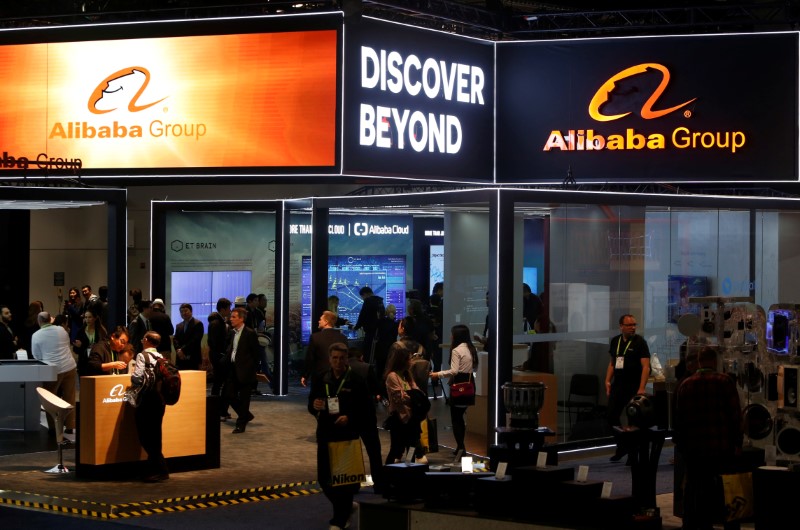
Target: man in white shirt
(50,344)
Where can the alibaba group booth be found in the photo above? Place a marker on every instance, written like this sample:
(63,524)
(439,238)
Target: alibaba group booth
(348,102)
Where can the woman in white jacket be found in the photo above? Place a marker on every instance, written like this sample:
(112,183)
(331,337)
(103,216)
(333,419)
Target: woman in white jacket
(463,362)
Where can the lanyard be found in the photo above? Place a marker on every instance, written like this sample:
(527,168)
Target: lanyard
(626,346)
(114,359)
(341,384)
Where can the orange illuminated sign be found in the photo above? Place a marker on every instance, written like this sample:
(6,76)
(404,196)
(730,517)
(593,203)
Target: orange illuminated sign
(602,95)
(216,101)
(632,140)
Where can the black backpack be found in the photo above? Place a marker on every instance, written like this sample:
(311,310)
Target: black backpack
(168,381)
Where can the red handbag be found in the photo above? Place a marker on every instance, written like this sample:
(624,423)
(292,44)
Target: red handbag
(463,393)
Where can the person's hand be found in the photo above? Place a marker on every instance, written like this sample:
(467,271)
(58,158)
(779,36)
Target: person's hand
(76,343)
(319,404)
(179,353)
(341,421)
(434,376)
(608,388)
(120,365)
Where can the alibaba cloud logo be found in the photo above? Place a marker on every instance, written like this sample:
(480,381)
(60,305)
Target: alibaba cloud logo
(603,95)
(119,89)
(360,229)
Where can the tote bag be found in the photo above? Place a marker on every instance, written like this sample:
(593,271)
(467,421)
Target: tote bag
(347,462)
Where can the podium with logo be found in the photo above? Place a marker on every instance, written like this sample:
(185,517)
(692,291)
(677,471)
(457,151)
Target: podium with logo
(108,444)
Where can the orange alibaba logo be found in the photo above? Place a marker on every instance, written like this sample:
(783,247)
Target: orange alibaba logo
(648,113)
(113,91)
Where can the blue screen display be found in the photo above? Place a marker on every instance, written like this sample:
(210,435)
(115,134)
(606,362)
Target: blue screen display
(385,275)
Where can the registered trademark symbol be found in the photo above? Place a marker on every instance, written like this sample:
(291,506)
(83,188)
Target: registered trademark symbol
(687,113)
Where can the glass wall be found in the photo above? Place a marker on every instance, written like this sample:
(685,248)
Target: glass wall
(607,260)
(588,259)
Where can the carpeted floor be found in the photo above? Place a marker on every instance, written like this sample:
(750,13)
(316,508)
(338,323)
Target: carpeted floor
(277,450)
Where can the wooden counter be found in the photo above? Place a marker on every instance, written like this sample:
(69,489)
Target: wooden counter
(107,430)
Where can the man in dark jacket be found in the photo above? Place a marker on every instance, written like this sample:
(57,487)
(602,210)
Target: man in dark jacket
(217,346)
(8,341)
(188,336)
(161,323)
(242,359)
(340,402)
(316,361)
(372,310)
(369,429)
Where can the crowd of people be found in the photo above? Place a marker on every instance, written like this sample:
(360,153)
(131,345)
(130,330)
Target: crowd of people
(346,382)
(391,366)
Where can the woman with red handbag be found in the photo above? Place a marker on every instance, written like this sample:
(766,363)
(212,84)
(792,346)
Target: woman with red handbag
(463,362)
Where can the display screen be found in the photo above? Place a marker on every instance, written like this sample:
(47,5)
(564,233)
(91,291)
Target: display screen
(696,108)
(250,100)
(202,289)
(385,275)
(780,323)
(436,264)
(681,288)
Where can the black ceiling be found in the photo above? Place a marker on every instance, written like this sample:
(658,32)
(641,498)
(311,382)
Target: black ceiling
(492,19)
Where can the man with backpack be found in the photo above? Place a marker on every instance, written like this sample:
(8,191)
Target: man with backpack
(150,412)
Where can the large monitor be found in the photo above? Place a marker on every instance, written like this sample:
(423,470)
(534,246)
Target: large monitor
(436,270)
(680,289)
(385,275)
(202,289)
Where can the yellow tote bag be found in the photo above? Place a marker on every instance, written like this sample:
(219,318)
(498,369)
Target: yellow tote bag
(738,488)
(347,462)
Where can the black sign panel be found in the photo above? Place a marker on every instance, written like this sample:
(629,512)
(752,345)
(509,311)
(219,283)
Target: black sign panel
(715,108)
(417,103)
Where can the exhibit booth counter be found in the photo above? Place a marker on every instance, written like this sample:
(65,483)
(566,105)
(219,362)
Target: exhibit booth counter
(108,444)
(19,402)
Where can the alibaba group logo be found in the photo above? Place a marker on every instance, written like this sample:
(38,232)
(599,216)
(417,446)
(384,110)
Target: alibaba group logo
(121,88)
(648,113)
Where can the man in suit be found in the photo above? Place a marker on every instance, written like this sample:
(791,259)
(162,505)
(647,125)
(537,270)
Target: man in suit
(317,351)
(162,324)
(140,325)
(188,336)
(242,359)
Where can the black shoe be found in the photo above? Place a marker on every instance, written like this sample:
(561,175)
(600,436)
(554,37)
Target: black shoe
(617,456)
(69,431)
(238,430)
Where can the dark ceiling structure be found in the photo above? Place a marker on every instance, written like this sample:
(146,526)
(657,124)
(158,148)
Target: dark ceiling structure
(489,19)
(497,20)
